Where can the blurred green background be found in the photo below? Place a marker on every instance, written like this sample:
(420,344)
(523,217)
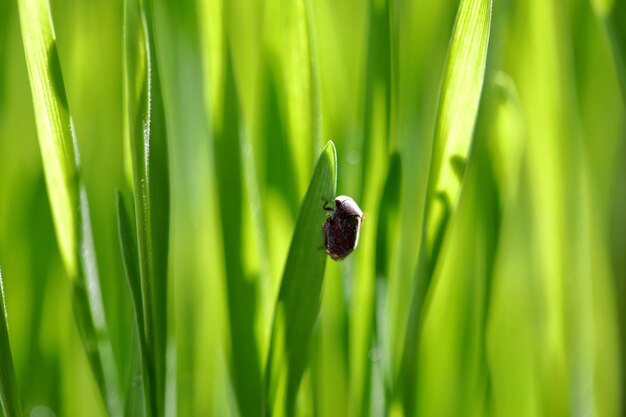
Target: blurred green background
(526,312)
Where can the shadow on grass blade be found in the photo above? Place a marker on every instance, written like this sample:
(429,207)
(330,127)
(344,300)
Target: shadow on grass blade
(454,127)
(9,396)
(137,401)
(241,287)
(299,299)
(613,16)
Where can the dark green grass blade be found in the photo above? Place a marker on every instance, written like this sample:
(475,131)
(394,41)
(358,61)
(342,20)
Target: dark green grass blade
(378,76)
(389,206)
(456,117)
(9,395)
(131,270)
(148,144)
(66,192)
(613,16)
(298,302)
(386,243)
(241,289)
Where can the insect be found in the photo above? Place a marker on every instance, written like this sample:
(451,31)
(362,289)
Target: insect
(341,229)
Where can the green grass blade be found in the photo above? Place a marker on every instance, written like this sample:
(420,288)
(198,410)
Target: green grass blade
(456,117)
(389,206)
(613,16)
(9,395)
(67,195)
(300,86)
(458,107)
(148,144)
(298,302)
(240,287)
(131,270)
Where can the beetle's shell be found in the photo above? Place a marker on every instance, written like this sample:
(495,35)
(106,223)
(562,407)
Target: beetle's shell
(341,230)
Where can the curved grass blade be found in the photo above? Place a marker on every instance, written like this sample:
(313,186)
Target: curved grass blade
(458,107)
(148,144)
(9,396)
(456,117)
(67,195)
(298,302)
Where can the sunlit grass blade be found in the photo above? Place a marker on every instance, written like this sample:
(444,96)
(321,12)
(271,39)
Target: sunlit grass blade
(458,106)
(67,195)
(456,117)
(148,144)
(9,394)
(298,302)
(301,86)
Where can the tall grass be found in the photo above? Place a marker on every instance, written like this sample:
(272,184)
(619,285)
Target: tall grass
(483,142)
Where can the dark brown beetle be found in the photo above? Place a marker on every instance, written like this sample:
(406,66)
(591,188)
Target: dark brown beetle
(341,229)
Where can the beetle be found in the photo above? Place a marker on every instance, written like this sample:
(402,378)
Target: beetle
(342,227)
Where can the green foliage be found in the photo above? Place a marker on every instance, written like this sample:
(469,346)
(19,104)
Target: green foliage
(483,143)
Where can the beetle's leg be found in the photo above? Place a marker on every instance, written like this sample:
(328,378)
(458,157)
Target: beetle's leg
(326,203)
(324,235)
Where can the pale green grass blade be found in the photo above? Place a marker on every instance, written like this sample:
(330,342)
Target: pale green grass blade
(458,106)
(148,144)
(298,302)
(67,195)
(9,394)
(452,343)
(301,86)
(456,117)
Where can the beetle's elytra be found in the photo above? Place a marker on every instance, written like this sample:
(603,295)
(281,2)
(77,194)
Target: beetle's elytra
(341,229)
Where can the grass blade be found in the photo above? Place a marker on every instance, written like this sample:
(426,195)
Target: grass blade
(613,15)
(456,117)
(386,244)
(67,195)
(241,288)
(9,396)
(298,302)
(133,278)
(295,38)
(458,107)
(148,144)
